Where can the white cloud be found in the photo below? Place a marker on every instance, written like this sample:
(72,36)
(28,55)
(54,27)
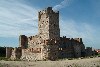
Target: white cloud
(72,29)
(17,18)
(63,4)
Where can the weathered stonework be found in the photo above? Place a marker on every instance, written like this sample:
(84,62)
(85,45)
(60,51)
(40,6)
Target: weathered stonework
(23,41)
(16,53)
(47,44)
(88,51)
(8,52)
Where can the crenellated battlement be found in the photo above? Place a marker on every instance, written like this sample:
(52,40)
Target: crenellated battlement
(79,40)
(48,11)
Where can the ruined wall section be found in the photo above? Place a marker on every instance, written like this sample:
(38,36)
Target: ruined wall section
(65,48)
(77,51)
(23,41)
(16,53)
(88,51)
(70,47)
(78,47)
(49,50)
(31,54)
(35,42)
(82,46)
(8,52)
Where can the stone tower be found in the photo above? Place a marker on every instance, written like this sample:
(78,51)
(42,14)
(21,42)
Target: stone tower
(49,31)
(48,24)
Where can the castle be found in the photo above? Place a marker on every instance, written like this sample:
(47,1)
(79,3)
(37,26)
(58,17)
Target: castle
(47,44)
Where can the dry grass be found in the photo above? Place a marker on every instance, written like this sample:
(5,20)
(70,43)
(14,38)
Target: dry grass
(87,62)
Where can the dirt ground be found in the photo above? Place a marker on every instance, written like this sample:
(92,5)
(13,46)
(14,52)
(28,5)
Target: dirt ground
(87,62)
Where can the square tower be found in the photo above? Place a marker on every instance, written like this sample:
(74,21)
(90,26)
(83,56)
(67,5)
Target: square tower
(48,24)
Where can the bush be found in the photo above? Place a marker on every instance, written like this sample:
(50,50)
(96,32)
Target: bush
(1,65)
(70,58)
(91,57)
(97,66)
(3,58)
(98,55)
(14,59)
(82,57)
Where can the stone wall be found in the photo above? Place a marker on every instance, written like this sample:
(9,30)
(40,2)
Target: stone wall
(88,51)
(8,52)
(77,51)
(50,50)
(23,41)
(16,53)
(70,47)
(30,55)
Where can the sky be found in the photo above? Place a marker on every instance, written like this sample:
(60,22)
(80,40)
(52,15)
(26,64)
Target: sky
(78,19)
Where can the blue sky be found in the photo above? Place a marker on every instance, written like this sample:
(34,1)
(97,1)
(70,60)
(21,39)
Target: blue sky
(78,18)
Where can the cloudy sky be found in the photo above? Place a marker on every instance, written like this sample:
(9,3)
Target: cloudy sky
(78,18)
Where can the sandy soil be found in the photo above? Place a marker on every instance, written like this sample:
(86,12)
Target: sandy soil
(89,62)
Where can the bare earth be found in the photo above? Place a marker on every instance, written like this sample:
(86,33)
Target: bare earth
(90,62)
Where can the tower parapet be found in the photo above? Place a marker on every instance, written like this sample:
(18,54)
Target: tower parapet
(48,11)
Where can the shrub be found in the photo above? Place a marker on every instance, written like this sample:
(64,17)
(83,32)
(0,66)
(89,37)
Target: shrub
(3,58)
(82,57)
(99,56)
(91,57)
(97,66)
(70,58)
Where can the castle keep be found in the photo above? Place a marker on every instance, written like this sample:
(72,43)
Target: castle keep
(47,44)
